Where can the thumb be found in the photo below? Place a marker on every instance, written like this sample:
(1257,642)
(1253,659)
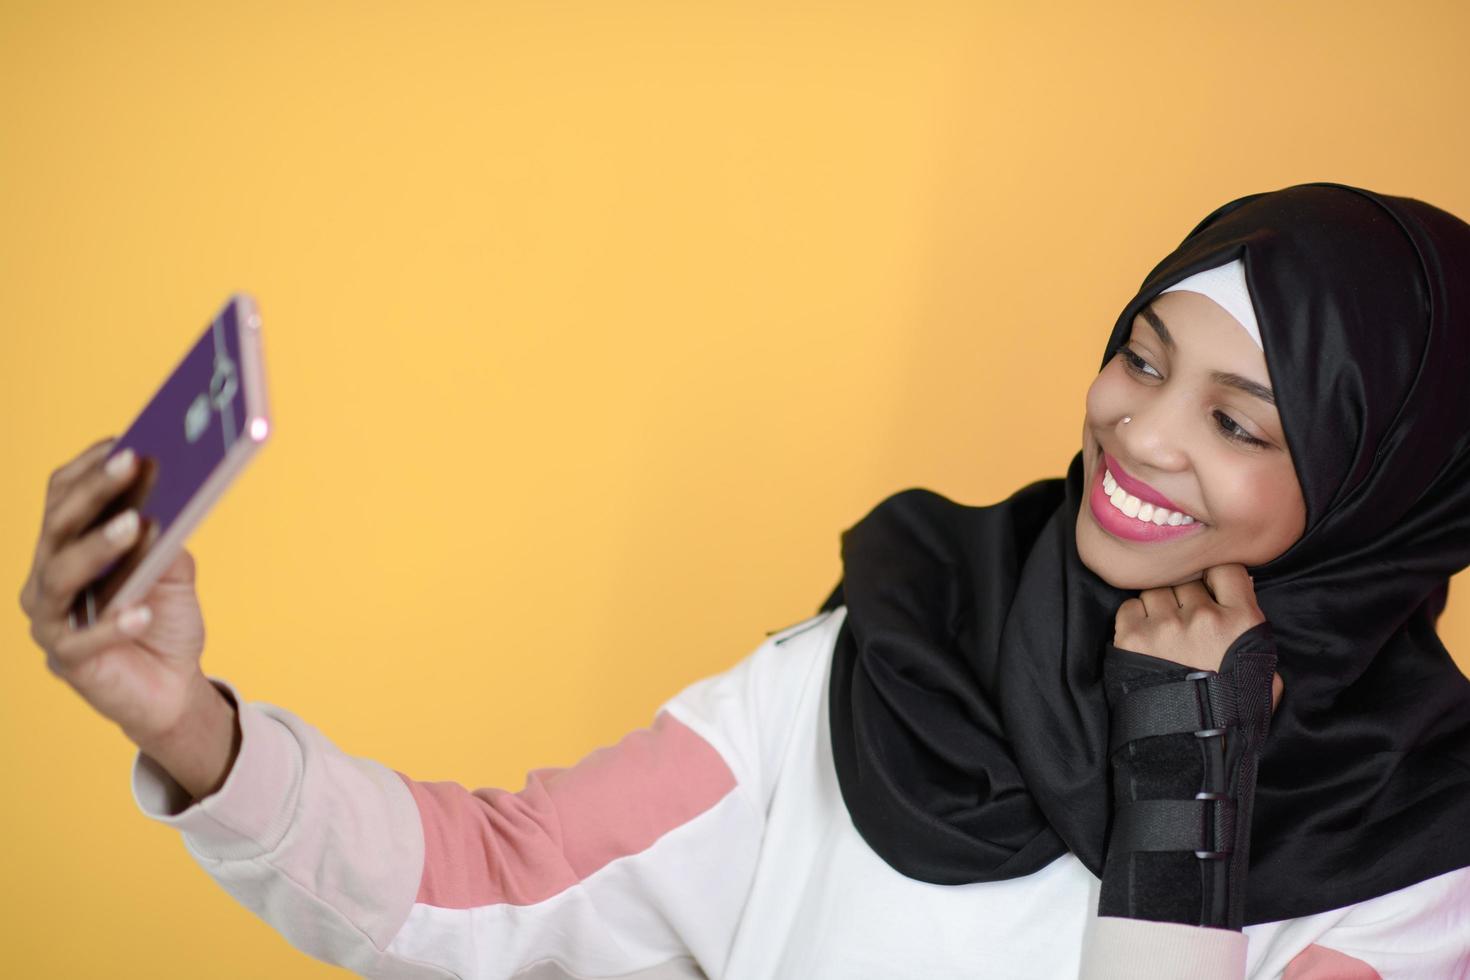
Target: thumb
(181,570)
(1231,585)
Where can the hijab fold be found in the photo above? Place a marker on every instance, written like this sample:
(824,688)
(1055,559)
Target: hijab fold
(969,727)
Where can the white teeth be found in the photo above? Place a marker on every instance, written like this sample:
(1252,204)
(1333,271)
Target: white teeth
(1135,508)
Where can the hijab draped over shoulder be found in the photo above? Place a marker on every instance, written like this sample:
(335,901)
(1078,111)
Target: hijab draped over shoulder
(969,727)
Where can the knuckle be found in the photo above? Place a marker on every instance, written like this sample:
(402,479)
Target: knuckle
(56,524)
(53,585)
(60,650)
(70,646)
(1209,617)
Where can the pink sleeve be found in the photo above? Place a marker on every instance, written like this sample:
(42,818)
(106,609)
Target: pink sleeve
(636,861)
(638,858)
(491,846)
(1320,963)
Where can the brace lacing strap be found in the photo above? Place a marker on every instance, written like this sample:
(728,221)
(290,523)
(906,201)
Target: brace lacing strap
(1204,825)
(1202,703)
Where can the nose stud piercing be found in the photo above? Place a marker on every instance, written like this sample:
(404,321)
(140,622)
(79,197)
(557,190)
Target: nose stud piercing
(1127,419)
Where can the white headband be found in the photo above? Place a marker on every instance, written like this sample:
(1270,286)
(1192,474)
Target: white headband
(1225,285)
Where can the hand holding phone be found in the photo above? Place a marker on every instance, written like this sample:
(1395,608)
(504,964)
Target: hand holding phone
(145,675)
(138,674)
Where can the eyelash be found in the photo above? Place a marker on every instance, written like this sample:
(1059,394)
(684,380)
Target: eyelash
(1238,434)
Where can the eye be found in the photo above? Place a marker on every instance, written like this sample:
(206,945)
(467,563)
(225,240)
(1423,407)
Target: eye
(1233,430)
(1136,364)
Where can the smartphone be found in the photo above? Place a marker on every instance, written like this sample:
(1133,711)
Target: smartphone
(202,426)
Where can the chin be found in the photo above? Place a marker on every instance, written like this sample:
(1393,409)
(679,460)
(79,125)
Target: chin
(1141,581)
(1135,583)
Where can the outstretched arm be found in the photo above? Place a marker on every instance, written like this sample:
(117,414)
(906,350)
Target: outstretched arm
(638,857)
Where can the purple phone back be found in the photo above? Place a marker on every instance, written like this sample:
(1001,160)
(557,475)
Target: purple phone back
(181,437)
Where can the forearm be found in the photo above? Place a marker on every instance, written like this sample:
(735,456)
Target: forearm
(200,750)
(365,868)
(325,847)
(1185,745)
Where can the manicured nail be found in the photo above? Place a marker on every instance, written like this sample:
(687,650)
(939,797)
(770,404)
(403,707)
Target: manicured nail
(119,465)
(122,527)
(135,619)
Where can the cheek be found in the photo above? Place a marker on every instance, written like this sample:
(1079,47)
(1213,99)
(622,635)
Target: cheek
(1261,502)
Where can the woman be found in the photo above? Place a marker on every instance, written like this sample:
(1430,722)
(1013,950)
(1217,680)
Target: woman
(986,755)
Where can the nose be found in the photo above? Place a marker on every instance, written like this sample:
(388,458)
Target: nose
(1154,437)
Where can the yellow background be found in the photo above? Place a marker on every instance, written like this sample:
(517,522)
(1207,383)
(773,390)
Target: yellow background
(589,328)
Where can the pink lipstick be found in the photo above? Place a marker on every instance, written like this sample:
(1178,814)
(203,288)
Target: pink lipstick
(1120,525)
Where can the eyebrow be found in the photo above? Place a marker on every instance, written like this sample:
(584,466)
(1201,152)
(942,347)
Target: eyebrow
(1227,378)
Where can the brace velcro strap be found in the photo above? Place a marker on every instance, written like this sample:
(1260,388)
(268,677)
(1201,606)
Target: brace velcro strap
(1205,826)
(1203,703)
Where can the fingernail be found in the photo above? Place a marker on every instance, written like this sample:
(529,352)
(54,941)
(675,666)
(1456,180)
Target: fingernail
(122,527)
(119,465)
(135,619)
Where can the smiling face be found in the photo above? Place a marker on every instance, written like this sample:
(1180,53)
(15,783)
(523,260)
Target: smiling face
(1202,442)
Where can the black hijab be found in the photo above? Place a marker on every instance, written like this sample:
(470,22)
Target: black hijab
(969,727)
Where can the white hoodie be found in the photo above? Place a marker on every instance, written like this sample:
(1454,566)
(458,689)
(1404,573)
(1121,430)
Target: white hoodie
(713,843)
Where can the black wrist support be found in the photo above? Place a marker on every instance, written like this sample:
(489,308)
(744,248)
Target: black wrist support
(1184,746)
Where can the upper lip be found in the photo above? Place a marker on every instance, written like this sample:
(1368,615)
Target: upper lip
(1138,488)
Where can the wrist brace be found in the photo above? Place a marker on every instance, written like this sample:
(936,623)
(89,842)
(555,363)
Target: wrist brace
(1184,746)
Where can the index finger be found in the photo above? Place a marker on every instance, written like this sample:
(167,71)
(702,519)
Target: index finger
(68,474)
(62,481)
(1231,585)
